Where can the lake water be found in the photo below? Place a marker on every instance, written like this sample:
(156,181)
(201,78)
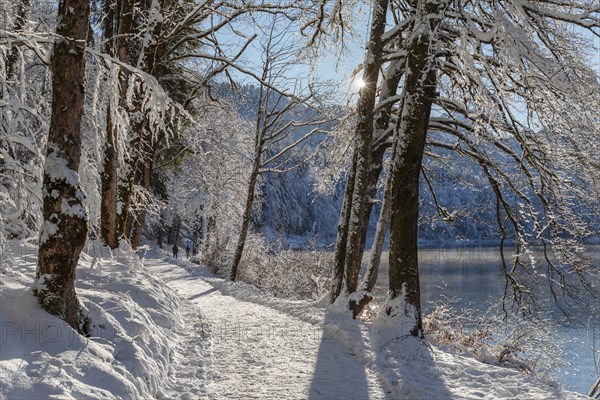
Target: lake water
(473,276)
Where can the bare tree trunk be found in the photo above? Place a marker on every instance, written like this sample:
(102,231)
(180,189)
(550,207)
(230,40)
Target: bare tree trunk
(247,218)
(381,133)
(19,26)
(64,230)
(342,235)
(128,214)
(172,230)
(404,296)
(141,217)
(108,201)
(197,236)
(370,278)
(115,45)
(364,137)
(161,232)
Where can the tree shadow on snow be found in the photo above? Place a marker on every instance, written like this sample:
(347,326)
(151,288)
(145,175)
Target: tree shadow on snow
(206,292)
(408,367)
(338,374)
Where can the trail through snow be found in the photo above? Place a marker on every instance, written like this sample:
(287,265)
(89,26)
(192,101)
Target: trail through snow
(260,347)
(256,352)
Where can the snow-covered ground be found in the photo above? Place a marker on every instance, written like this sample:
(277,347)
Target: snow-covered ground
(167,328)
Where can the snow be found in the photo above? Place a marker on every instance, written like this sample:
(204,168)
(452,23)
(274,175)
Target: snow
(135,351)
(166,328)
(75,210)
(48,229)
(56,168)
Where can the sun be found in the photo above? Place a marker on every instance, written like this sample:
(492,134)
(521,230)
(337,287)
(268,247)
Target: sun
(360,83)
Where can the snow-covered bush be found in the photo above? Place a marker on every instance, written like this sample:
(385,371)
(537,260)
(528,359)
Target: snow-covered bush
(526,345)
(217,253)
(295,274)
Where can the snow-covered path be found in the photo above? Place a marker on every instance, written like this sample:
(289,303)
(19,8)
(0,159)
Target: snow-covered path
(256,352)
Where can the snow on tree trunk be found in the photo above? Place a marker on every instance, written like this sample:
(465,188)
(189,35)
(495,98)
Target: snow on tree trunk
(363,148)
(382,131)
(404,297)
(64,230)
(377,248)
(595,390)
(141,146)
(133,172)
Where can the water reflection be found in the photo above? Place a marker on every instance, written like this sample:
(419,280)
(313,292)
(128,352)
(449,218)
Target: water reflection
(474,278)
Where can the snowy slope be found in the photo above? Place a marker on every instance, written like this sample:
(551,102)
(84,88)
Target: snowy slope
(170,329)
(140,328)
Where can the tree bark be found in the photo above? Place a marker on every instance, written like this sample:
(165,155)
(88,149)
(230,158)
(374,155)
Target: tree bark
(64,230)
(133,172)
(247,218)
(342,235)
(370,278)
(404,295)
(174,233)
(375,257)
(141,217)
(117,44)
(144,135)
(141,134)
(129,215)
(197,236)
(363,147)
(210,233)
(108,201)
(381,133)
(19,26)
(160,233)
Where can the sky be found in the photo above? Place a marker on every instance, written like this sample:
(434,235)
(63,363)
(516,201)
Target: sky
(337,64)
(333,63)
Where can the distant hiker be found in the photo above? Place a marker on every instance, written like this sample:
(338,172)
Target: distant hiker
(175,250)
(187,251)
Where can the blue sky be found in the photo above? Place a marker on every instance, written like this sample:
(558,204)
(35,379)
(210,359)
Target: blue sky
(333,64)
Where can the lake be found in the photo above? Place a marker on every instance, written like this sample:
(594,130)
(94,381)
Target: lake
(474,277)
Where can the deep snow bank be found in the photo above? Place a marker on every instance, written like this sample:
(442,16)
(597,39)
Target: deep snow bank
(137,324)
